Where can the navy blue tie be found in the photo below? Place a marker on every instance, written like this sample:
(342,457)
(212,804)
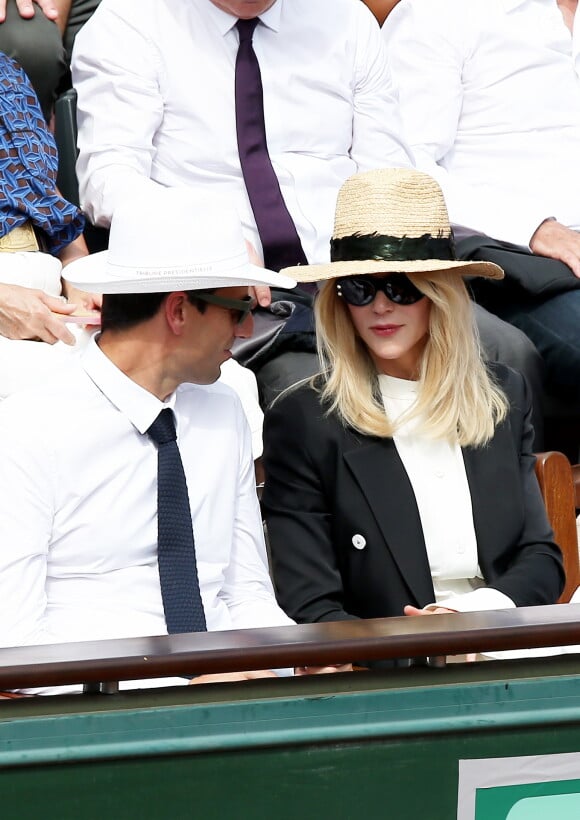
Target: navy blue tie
(175,546)
(280,241)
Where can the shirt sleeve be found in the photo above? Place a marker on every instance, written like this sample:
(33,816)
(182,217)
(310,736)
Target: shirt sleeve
(377,140)
(247,587)
(115,72)
(479,600)
(427,44)
(243,381)
(26,513)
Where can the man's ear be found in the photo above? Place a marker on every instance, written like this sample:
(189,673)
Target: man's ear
(175,307)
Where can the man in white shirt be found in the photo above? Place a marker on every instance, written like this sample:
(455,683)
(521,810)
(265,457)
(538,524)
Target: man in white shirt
(78,494)
(490,100)
(156,105)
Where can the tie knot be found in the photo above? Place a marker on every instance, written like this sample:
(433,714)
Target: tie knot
(162,430)
(246,28)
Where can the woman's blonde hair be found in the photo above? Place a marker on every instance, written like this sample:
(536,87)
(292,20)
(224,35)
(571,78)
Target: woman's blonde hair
(457,398)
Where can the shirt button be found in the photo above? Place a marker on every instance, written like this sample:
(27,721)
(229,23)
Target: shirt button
(439,474)
(359,542)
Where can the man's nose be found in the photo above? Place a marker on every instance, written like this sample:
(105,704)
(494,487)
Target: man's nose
(246,328)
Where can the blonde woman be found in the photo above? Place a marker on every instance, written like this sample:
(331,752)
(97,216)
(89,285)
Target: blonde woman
(401,480)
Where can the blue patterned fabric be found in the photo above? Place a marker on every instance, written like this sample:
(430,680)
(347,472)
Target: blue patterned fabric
(28,165)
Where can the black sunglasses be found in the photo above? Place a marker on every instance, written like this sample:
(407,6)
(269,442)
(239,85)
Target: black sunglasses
(241,308)
(361,290)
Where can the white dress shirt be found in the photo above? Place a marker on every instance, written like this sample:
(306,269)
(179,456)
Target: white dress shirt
(490,102)
(78,509)
(437,474)
(155,86)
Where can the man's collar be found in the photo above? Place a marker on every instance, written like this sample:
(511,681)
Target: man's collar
(138,405)
(225,22)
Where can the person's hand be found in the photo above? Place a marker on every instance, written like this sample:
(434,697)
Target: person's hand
(26,9)
(231,677)
(262,294)
(330,669)
(440,610)
(82,299)
(26,313)
(556,241)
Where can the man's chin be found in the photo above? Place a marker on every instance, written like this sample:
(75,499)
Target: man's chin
(205,378)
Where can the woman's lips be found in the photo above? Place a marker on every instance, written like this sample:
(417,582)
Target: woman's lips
(385,330)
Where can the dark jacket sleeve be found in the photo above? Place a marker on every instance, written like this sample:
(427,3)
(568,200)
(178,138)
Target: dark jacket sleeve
(297,507)
(531,572)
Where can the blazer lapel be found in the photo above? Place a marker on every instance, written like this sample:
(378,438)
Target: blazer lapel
(379,472)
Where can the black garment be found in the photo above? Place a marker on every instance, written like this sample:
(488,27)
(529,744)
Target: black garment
(526,273)
(538,297)
(327,487)
(37,46)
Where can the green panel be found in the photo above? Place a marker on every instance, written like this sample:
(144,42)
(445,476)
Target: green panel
(304,749)
(398,779)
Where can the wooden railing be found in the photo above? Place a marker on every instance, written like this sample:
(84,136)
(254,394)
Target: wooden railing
(312,644)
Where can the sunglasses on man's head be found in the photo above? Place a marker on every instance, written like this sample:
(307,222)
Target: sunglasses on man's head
(241,308)
(361,290)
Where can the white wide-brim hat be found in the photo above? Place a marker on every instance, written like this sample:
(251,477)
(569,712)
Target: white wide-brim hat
(169,239)
(391,220)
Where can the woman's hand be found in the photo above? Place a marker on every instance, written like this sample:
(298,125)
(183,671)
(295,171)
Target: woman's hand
(82,299)
(27,313)
(329,669)
(440,610)
(232,677)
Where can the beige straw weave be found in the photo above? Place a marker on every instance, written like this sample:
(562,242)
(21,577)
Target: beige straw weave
(393,202)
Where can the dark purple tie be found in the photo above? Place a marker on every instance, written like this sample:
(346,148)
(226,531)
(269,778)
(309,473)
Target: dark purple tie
(280,240)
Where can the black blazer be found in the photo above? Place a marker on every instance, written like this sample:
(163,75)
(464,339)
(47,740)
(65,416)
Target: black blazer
(327,486)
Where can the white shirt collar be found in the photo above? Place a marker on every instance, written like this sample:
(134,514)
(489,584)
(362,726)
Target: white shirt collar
(394,388)
(139,405)
(225,22)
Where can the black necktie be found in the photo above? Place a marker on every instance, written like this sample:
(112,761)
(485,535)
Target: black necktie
(175,547)
(280,240)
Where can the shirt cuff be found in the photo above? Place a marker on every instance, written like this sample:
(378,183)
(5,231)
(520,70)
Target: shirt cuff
(284,673)
(479,600)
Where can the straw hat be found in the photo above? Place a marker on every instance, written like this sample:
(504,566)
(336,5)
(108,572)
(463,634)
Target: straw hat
(168,239)
(391,219)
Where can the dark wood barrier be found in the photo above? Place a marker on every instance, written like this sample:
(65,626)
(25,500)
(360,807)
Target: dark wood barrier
(312,644)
